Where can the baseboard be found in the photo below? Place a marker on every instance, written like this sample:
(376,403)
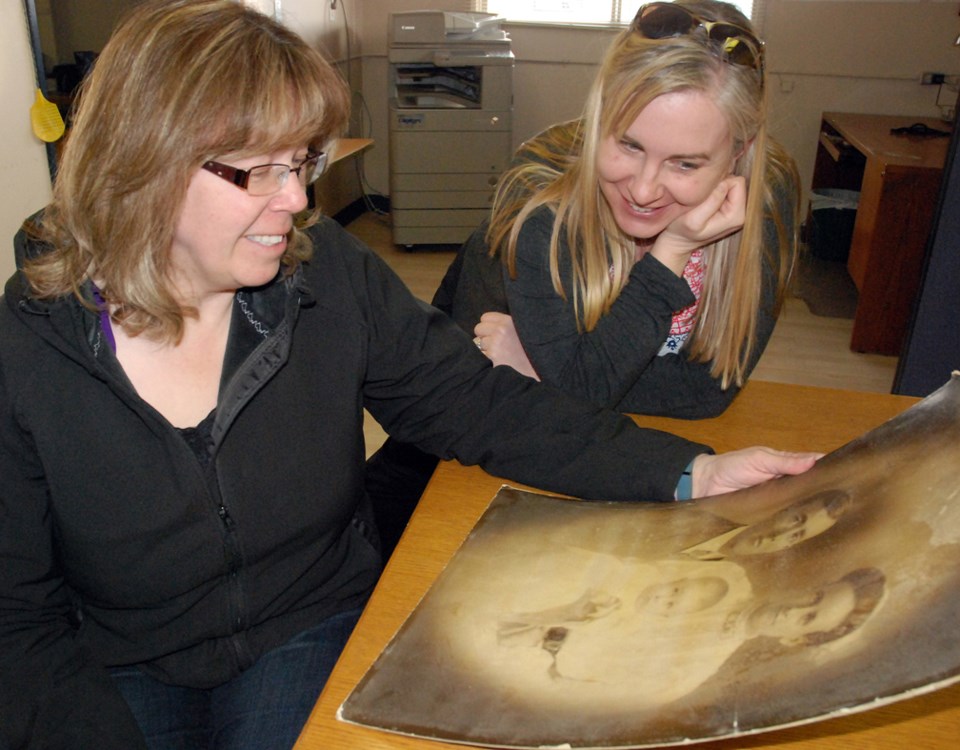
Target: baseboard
(360,206)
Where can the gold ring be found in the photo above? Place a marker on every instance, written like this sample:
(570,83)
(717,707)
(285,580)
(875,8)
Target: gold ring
(479,342)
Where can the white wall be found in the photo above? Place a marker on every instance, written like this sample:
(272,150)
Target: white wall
(853,57)
(848,56)
(822,56)
(24,176)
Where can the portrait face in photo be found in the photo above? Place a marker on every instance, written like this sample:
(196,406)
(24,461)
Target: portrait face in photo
(802,520)
(794,524)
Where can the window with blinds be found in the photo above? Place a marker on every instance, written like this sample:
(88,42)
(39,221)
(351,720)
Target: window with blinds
(576,11)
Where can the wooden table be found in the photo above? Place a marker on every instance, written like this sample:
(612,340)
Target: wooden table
(783,416)
(346,147)
(899,180)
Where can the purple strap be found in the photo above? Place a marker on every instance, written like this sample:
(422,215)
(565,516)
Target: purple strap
(105,325)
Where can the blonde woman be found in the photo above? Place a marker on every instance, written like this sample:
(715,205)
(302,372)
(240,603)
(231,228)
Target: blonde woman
(645,248)
(638,256)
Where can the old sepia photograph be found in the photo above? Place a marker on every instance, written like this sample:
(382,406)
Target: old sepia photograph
(580,624)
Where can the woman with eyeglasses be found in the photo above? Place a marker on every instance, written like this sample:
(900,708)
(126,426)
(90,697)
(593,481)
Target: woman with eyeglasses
(184,536)
(638,256)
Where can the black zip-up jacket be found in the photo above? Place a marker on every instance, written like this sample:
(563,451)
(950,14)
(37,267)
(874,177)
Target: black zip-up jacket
(615,364)
(119,547)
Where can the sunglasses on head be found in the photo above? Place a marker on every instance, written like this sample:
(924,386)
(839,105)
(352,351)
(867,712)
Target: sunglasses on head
(665,20)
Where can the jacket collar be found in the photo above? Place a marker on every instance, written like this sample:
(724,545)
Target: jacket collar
(75,330)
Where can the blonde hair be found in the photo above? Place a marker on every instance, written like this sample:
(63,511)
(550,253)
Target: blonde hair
(179,83)
(559,170)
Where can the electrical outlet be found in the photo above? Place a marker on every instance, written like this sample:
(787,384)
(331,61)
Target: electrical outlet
(947,95)
(932,79)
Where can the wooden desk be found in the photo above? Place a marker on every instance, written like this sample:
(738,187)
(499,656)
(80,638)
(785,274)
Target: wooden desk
(347,147)
(338,188)
(784,416)
(899,182)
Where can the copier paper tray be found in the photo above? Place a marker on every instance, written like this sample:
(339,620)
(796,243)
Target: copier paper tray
(442,27)
(426,85)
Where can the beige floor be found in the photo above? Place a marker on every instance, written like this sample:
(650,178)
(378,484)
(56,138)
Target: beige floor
(805,349)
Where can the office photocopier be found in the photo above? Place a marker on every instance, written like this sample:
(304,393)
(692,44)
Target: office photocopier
(451,100)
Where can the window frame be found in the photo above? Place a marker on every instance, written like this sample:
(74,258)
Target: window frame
(754,10)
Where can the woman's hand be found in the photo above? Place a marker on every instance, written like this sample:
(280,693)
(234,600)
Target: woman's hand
(736,470)
(722,213)
(496,337)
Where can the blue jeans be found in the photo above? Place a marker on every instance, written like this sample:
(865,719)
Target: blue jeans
(263,709)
